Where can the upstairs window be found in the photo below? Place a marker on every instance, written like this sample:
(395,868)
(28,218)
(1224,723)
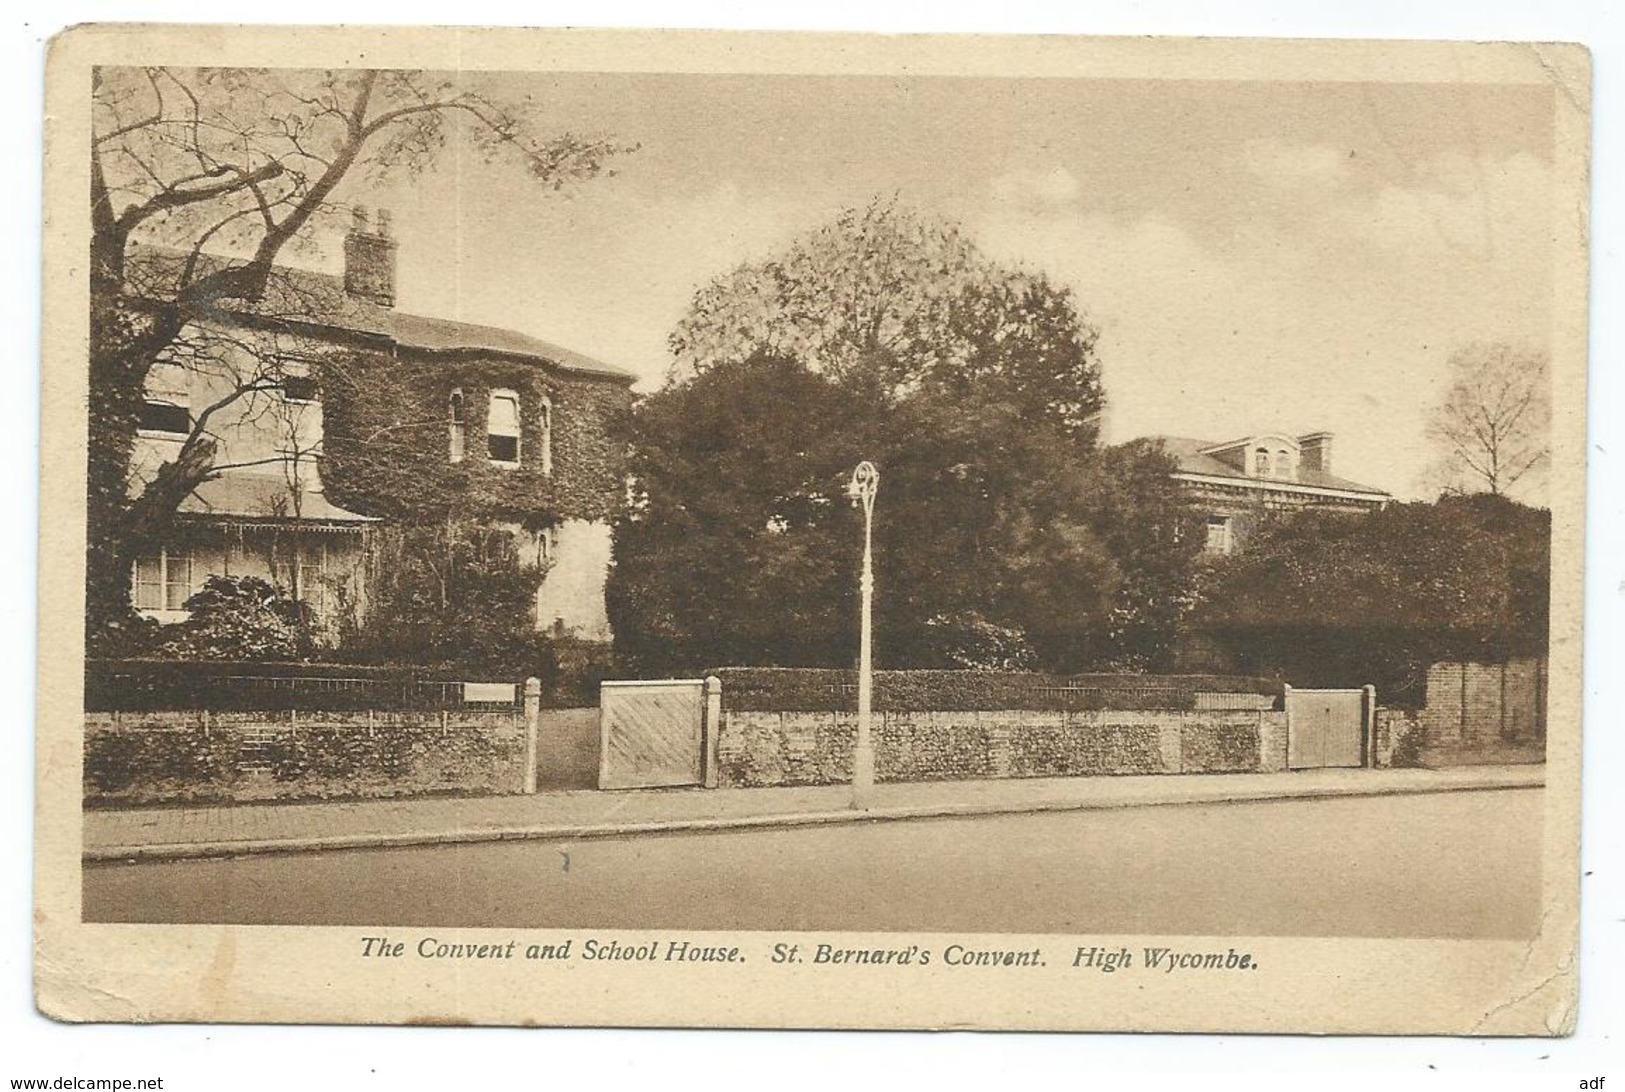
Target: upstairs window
(502,428)
(1261,463)
(298,388)
(1283,465)
(166,406)
(164,417)
(457,425)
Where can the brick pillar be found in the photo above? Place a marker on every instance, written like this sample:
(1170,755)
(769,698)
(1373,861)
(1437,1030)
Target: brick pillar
(1169,736)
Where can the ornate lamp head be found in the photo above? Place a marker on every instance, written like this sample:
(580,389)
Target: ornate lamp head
(864,484)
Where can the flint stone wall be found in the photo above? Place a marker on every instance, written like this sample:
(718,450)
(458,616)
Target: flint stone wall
(759,748)
(134,759)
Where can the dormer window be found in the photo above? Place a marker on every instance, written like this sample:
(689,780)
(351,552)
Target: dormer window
(1283,465)
(502,428)
(456,425)
(1261,463)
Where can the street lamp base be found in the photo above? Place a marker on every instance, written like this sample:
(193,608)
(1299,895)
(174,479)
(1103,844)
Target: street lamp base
(863,778)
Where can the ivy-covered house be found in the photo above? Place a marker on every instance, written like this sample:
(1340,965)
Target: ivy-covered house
(339,420)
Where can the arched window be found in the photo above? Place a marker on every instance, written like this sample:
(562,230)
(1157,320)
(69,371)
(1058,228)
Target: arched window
(1261,463)
(456,425)
(502,428)
(546,423)
(1283,464)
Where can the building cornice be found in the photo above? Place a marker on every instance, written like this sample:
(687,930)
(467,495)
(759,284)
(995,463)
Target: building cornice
(1266,485)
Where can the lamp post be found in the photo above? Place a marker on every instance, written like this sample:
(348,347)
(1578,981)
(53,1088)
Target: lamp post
(862,488)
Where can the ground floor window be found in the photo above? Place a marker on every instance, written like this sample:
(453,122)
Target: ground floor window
(1218,535)
(310,575)
(163,581)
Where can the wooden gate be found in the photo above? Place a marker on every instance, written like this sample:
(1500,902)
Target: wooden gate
(1328,727)
(652,733)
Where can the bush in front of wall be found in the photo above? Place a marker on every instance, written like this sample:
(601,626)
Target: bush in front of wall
(239,618)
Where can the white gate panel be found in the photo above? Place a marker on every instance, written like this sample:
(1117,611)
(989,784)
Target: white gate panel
(652,733)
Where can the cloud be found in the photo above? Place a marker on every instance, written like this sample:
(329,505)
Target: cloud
(1310,313)
(608,274)
(1288,165)
(1036,190)
(1489,210)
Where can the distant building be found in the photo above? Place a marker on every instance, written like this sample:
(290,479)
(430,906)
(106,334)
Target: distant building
(356,415)
(1236,481)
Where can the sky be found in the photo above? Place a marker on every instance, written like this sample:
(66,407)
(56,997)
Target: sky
(1257,255)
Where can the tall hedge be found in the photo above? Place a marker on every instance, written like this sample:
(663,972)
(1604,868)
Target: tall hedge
(826,690)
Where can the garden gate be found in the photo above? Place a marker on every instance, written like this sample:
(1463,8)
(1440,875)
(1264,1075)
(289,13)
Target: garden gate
(1329,727)
(652,733)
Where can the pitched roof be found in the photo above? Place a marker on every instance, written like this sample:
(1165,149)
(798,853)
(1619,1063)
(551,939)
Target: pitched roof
(449,335)
(319,299)
(264,497)
(1192,460)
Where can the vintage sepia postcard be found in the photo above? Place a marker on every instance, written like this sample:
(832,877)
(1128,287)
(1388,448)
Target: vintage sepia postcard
(771,530)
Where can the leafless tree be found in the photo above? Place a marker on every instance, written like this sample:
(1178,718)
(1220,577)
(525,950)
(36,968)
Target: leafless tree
(1494,424)
(218,172)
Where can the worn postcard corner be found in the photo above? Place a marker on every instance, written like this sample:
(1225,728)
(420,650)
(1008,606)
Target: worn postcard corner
(614,528)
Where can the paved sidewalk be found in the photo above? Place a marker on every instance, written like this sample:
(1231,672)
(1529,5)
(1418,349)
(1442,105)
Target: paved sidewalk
(228,830)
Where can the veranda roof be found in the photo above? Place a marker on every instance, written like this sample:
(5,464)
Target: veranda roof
(266,500)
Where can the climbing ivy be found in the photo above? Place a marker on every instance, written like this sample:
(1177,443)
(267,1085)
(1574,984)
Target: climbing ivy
(386,440)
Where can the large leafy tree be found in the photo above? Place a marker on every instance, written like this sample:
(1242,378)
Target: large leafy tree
(1001,526)
(226,170)
(890,300)
(737,546)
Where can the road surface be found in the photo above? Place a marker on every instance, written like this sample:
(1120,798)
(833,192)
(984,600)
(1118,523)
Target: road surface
(1463,864)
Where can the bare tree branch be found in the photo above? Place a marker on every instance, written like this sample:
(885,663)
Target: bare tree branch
(1494,421)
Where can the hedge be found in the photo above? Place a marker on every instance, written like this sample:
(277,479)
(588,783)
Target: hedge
(786,689)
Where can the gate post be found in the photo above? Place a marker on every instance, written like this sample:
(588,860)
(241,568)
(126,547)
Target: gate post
(533,727)
(711,692)
(1368,726)
(1286,708)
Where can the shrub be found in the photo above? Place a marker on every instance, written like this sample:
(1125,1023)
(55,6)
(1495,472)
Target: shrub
(968,641)
(239,618)
(453,594)
(1407,752)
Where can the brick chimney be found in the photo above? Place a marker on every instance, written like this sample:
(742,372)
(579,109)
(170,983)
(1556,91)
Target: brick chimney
(369,258)
(1315,452)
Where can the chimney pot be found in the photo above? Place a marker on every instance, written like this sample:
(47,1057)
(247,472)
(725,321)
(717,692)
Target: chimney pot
(369,259)
(1315,452)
